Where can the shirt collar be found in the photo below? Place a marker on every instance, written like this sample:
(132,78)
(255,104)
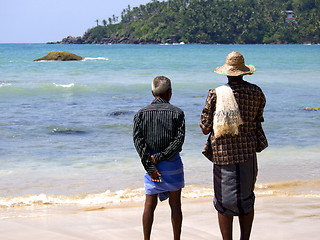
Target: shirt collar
(159,100)
(236,83)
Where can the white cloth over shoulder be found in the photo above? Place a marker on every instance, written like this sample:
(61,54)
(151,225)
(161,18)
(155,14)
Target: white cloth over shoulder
(227,117)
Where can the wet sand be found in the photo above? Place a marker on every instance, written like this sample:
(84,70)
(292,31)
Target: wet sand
(276,217)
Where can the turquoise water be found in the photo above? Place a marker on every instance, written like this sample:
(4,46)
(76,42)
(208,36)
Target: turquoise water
(66,127)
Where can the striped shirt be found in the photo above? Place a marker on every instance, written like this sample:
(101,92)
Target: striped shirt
(158,127)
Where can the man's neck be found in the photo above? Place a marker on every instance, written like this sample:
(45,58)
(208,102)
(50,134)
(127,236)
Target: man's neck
(157,97)
(235,79)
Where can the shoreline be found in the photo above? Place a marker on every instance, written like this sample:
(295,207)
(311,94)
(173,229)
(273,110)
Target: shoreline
(172,43)
(276,217)
(12,206)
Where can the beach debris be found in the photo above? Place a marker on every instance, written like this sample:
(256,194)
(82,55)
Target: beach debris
(312,108)
(60,56)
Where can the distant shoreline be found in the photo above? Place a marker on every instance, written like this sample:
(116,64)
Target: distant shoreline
(110,41)
(60,43)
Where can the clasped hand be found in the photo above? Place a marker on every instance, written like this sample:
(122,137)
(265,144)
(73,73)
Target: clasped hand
(155,176)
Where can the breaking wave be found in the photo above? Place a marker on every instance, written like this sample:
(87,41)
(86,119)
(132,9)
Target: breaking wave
(95,59)
(64,85)
(294,188)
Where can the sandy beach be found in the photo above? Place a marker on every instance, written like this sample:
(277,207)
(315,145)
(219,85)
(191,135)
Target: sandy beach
(276,217)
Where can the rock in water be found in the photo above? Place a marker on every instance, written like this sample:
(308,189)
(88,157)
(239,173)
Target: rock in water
(60,56)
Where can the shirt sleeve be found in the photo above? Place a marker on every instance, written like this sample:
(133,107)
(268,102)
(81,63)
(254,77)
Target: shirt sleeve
(259,117)
(262,141)
(141,146)
(207,112)
(176,145)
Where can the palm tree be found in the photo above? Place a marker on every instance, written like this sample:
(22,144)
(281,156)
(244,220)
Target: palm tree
(97,22)
(104,22)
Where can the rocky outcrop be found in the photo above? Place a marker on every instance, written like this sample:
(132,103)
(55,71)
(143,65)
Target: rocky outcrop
(70,40)
(60,56)
(115,39)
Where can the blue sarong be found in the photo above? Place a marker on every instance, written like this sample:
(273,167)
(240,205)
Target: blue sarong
(172,178)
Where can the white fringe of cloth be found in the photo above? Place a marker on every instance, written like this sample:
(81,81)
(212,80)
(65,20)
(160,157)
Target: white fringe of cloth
(227,117)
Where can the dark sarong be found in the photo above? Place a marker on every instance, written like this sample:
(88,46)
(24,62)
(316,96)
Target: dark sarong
(234,186)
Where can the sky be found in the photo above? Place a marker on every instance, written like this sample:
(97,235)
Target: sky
(41,21)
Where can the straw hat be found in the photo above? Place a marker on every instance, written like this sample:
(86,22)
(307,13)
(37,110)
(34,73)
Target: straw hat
(235,66)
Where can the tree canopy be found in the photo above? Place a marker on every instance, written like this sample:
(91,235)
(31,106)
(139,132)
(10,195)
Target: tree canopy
(213,22)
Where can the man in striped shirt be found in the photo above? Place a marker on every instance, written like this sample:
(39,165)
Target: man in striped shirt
(158,135)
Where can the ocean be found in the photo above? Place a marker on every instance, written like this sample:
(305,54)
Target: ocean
(66,127)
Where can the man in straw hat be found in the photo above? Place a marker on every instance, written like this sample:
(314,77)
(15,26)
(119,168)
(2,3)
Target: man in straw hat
(232,115)
(158,134)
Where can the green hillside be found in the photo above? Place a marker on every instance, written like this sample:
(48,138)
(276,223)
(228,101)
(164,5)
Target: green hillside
(212,22)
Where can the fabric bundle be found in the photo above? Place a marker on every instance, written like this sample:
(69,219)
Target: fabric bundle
(227,117)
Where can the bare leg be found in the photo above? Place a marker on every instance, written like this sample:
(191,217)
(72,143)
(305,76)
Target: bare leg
(176,213)
(148,213)
(246,225)
(225,223)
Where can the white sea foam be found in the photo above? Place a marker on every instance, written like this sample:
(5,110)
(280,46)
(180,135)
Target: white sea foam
(137,195)
(64,85)
(5,172)
(42,61)
(95,59)
(4,84)
(108,197)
